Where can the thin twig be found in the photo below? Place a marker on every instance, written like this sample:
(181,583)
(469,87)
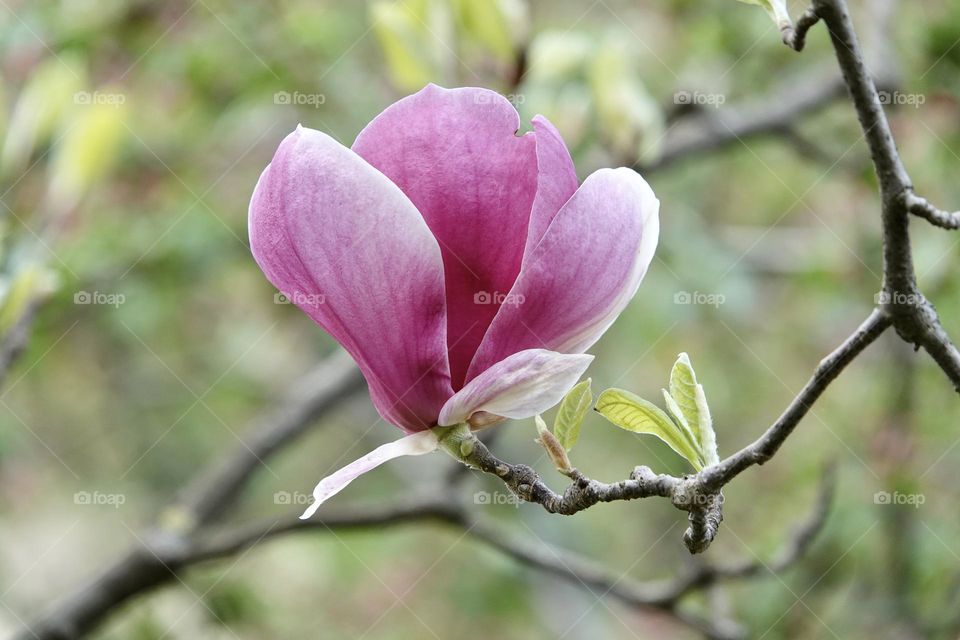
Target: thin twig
(829,368)
(921,207)
(795,37)
(711,130)
(913,316)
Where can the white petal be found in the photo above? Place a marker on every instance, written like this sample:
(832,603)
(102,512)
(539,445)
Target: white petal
(415,444)
(519,386)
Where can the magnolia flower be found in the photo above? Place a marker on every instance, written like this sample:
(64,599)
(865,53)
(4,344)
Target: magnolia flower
(459,263)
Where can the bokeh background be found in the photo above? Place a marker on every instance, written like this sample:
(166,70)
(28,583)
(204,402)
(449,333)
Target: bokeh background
(133,133)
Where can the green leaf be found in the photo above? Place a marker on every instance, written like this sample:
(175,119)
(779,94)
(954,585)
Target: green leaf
(87,150)
(683,385)
(49,95)
(633,413)
(573,408)
(776,9)
(485,22)
(401,31)
(559,57)
(673,410)
(630,119)
(708,438)
(692,403)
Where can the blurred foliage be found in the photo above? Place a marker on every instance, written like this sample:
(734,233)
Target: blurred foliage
(133,134)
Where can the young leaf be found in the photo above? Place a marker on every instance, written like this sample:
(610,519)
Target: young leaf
(86,152)
(486,22)
(673,410)
(573,408)
(400,28)
(708,439)
(635,414)
(49,94)
(683,384)
(692,402)
(629,118)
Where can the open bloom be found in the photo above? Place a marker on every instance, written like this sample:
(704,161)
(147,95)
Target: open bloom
(461,265)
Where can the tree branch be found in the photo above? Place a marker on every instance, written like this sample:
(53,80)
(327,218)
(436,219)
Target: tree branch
(829,368)
(710,130)
(913,316)
(699,494)
(795,37)
(922,208)
(163,550)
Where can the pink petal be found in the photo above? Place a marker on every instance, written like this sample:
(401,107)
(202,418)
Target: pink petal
(416,444)
(520,386)
(583,273)
(351,250)
(455,154)
(556,181)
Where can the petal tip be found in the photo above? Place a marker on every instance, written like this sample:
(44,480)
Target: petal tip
(312,509)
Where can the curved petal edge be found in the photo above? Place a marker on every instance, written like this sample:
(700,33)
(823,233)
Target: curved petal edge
(344,244)
(582,274)
(517,387)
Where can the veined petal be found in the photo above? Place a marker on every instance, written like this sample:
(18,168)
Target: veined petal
(585,270)
(556,181)
(456,155)
(350,249)
(519,386)
(415,444)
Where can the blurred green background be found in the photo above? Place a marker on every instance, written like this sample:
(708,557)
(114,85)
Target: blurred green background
(133,135)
